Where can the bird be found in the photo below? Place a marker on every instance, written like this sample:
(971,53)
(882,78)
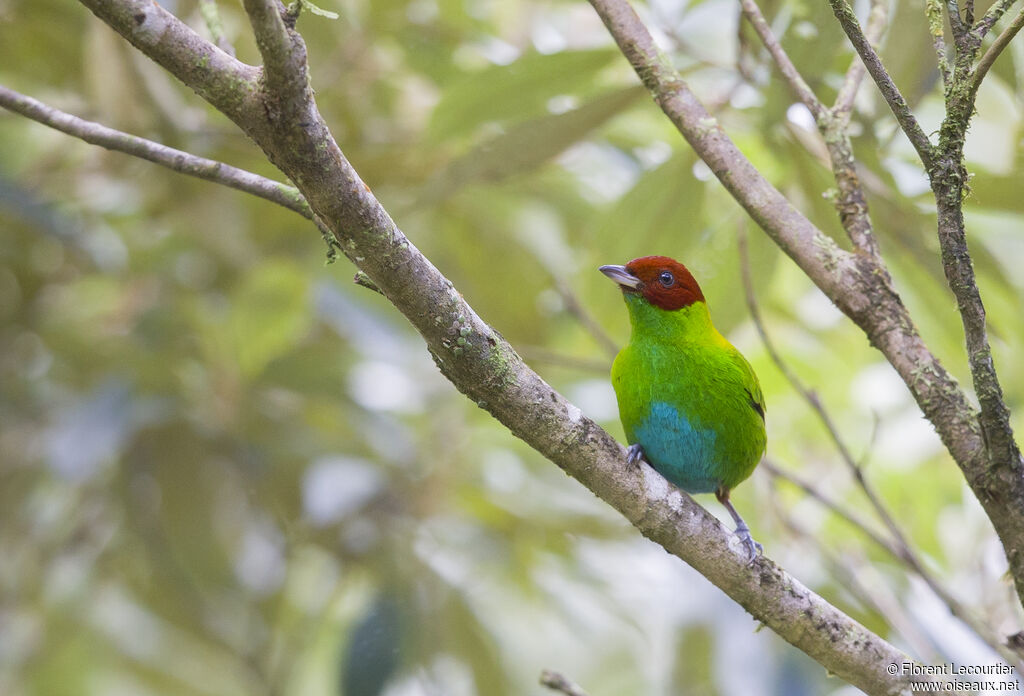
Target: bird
(690,403)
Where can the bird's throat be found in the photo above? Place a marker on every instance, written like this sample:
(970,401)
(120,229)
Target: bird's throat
(691,323)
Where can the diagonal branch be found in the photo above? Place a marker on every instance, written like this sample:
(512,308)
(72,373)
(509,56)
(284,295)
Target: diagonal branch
(997,47)
(997,10)
(900,109)
(179,161)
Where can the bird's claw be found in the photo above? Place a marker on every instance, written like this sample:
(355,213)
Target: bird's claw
(754,548)
(634,454)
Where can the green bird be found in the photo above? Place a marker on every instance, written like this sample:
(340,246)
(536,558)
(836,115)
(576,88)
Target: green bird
(689,402)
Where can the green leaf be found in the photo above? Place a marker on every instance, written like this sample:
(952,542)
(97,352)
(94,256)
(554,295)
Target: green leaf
(509,93)
(528,145)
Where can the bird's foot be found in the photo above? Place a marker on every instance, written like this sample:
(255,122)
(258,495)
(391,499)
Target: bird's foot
(754,548)
(634,454)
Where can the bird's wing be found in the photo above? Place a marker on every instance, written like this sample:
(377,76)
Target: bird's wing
(750,383)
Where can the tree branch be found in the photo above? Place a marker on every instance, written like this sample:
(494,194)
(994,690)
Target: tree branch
(996,11)
(956,22)
(849,516)
(851,203)
(283,52)
(177,160)
(898,105)
(937,28)
(1000,482)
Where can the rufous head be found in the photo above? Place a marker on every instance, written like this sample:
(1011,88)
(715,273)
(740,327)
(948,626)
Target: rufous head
(662,281)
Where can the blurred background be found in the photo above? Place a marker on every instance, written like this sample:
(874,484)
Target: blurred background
(226,469)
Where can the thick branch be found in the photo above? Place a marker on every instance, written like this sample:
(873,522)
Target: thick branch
(484,367)
(898,105)
(179,161)
(794,233)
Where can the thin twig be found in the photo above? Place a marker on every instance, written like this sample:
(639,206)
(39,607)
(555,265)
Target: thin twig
(968,616)
(538,354)
(284,59)
(852,518)
(211,17)
(811,397)
(997,47)
(363,280)
(900,109)
(179,161)
(556,682)
(789,72)
(808,394)
(575,308)
(991,17)
(878,17)
(937,28)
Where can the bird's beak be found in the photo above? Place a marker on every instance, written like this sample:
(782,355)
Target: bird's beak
(621,276)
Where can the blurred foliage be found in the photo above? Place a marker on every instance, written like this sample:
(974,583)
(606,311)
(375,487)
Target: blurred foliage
(228,470)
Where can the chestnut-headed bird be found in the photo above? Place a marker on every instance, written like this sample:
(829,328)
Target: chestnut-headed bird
(690,404)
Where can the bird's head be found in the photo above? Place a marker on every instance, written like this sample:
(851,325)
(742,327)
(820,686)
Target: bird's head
(662,281)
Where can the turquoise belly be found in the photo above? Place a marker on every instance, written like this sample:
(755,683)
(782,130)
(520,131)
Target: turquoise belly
(686,456)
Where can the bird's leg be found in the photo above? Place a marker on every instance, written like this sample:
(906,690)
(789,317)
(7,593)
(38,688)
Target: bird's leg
(754,549)
(634,454)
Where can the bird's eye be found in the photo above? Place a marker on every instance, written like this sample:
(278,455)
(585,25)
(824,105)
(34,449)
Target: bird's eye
(667,279)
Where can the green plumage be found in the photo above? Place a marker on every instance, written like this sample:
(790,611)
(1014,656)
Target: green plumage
(688,398)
